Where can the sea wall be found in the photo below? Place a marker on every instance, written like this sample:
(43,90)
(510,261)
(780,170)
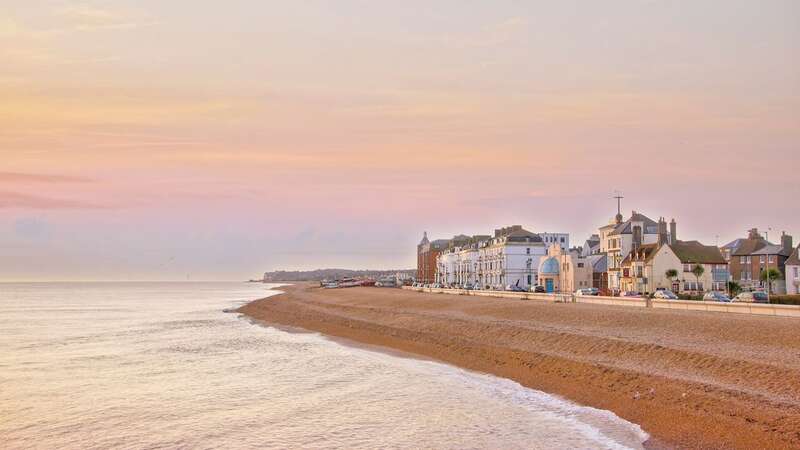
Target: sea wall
(689,305)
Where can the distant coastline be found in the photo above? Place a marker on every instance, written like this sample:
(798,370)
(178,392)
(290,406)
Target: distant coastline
(329,274)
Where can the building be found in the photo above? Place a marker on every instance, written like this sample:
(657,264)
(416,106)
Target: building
(564,270)
(511,256)
(562,239)
(619,238)
(591,246)
(750,257)
(645,269)
(599,263)
(427,252)
(458,264)
(793,272)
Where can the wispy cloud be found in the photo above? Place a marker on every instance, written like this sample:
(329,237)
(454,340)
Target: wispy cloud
(24,201)
(17,177)
(90,17)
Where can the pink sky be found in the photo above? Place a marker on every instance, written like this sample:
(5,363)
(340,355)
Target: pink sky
(160,140)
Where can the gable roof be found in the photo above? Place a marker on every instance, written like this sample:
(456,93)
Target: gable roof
(748,246)
(794,258)
(695,252)
(772,249)
(645,251)
(649,225)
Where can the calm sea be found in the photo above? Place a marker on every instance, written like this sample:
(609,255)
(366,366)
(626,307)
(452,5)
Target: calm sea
(159,365)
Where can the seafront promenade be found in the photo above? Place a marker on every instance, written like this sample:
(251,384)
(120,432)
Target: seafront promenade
(687,305)
(691,379)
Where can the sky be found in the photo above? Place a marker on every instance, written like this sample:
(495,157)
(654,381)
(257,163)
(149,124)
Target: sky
(206,140)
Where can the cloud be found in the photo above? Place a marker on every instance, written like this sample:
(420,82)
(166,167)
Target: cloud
(89,17)
(25,201)
(16,177)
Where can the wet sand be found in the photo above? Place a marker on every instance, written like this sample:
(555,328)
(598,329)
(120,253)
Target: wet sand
(690,379)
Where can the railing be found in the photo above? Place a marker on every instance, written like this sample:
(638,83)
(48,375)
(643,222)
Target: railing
(688,305)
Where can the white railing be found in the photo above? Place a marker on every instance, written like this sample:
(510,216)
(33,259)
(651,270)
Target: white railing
(688,305)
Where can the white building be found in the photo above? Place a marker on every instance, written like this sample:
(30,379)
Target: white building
(458,264)
(510,256)
(793,272)
(618,238)
(562,239)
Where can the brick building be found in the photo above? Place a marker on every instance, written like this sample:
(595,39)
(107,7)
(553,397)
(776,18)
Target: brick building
(753,255)
(427,252)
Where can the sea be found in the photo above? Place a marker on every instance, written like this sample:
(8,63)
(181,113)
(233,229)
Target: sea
(163,365)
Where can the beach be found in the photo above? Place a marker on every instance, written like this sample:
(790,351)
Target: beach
(690,379)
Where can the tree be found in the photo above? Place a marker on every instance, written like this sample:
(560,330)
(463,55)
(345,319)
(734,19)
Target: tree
(698,272)
(671,274)
(771,274)
(734,288)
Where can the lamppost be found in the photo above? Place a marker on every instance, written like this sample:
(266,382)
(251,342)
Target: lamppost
(766,271)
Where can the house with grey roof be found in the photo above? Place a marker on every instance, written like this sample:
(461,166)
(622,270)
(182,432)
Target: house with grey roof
(751,257)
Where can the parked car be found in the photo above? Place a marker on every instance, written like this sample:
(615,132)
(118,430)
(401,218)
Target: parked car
(587,291)
(631,294)
(665,294)
(751,297)
(539,289)
(514,288)
(715,296)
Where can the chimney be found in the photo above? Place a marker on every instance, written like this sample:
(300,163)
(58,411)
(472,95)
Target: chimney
(673,231)
(786,242)
(496,232)
(753,234)
(637,238)
(662,231)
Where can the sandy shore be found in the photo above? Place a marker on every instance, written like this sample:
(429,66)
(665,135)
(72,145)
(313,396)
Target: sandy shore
(690,379)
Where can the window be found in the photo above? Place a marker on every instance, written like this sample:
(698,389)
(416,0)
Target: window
(771,259)
(742,260)
(761,259)
(797,272)
(528,251)
(748,260)
(687,267)
(580,265)
(562,239)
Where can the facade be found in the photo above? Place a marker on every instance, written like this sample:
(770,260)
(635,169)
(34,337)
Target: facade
(591,246)
(793,272)
(458,264)
(752,256)
(562,239)
(509,257)
(564,270)
(427,252)
(618,239)
(648,271)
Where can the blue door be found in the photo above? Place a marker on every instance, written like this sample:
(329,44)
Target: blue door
(548,285)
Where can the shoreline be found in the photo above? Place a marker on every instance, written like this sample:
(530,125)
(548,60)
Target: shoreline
(681,395)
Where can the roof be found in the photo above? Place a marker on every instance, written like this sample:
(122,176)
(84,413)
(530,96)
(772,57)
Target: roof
(650,225)
(522,236)
(645,252)
(598,262)
(772,250)
(748,246)
(734,244)
(794,258)
(695,252)
(550,266)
